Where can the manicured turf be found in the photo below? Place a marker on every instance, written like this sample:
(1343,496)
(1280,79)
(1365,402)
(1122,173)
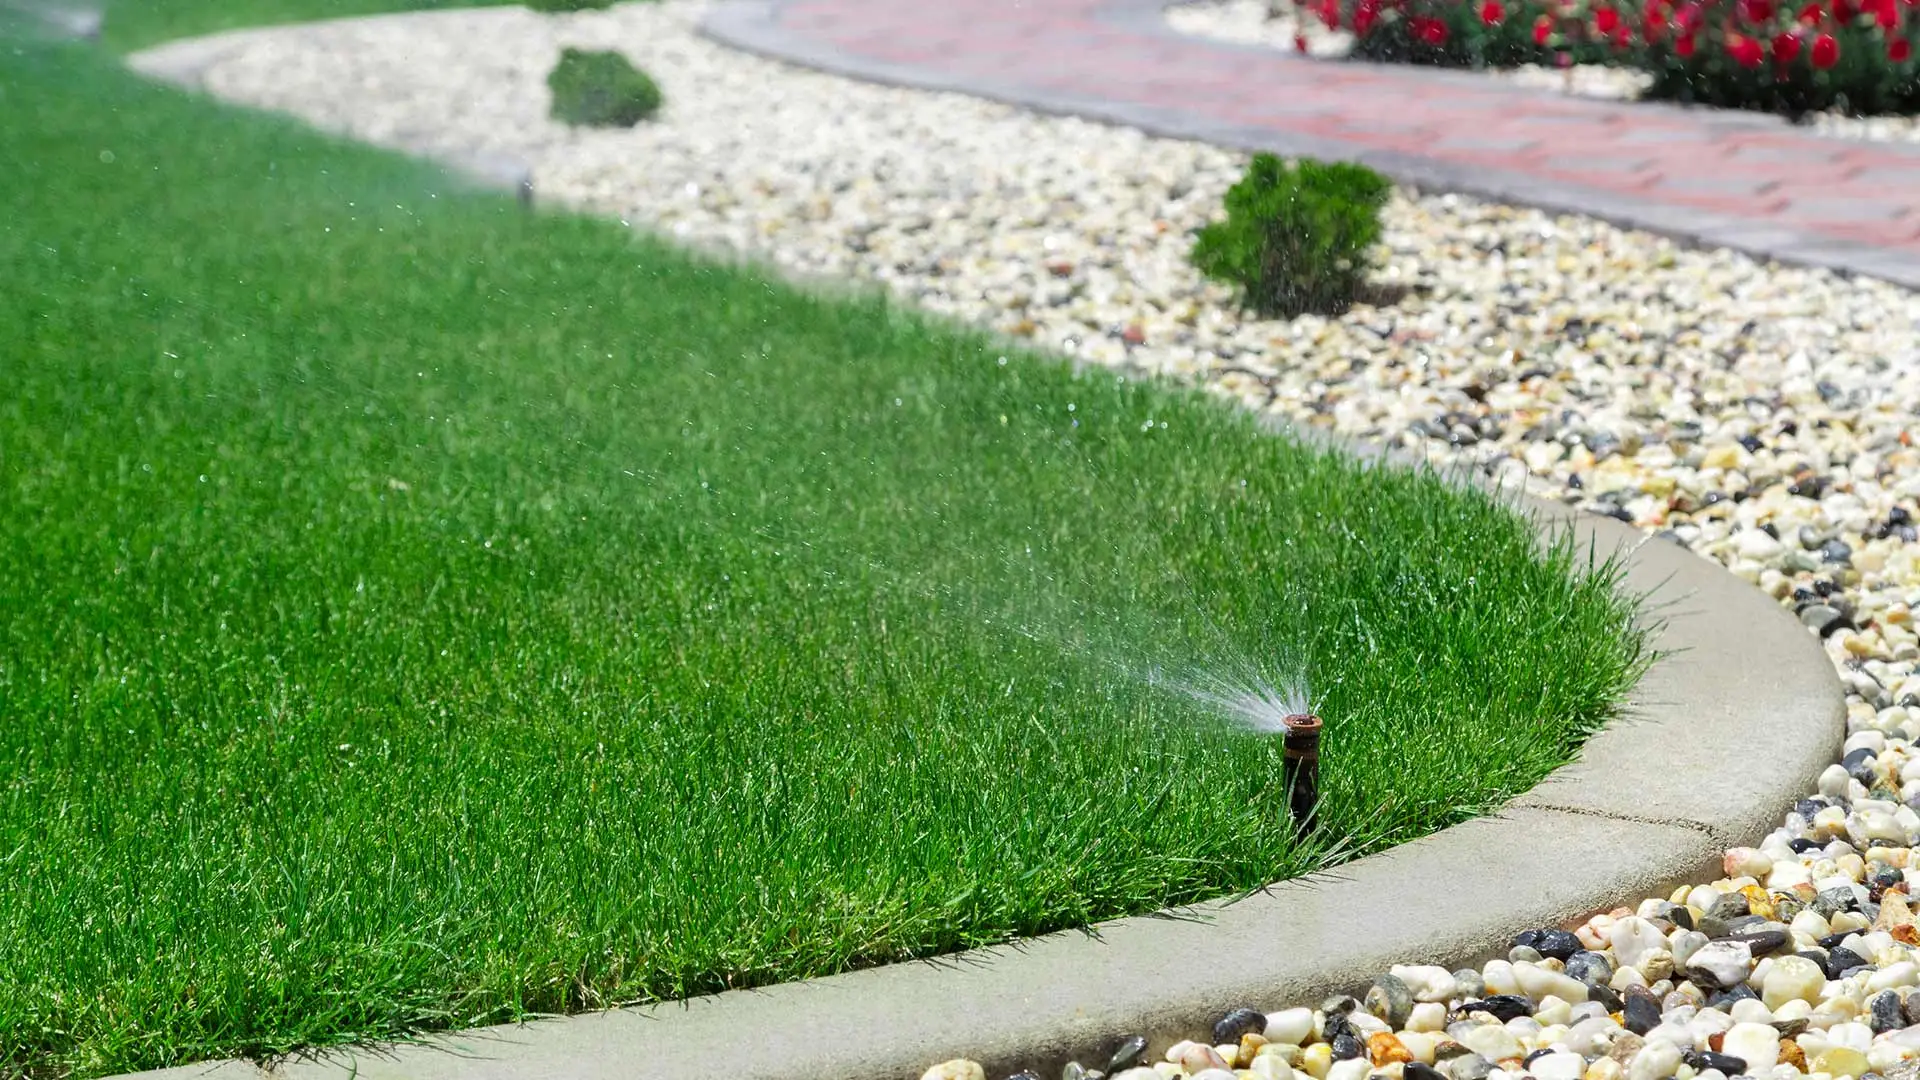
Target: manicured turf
(415,611)
(134,24)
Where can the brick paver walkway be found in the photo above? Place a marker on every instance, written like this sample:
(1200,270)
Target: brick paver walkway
(1742,181)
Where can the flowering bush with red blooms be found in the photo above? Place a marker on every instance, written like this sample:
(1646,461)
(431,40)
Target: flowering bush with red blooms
(1446,33)
(1789,56)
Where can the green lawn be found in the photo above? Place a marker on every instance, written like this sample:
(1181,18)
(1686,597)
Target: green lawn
(135,24)
(416,612)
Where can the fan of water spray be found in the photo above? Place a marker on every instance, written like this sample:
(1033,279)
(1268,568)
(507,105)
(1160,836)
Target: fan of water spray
(1250,701)
(1284,708)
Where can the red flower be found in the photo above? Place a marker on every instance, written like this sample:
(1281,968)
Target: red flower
(1605,19)
(1299,43)
(1656,25)
(1745,51)
(1431,31)
(1542,29)
(1684,46)
(1622,36)
(1688,18)
(1365,15)
(1826,51)
(1885,12)
(1756,10)
(1330,14)
(1492,13)
(1785,48)
(1842,10)
(1899,50)
(1811,14)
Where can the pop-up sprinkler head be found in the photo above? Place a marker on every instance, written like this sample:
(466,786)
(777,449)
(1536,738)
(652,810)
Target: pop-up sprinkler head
(1301,768)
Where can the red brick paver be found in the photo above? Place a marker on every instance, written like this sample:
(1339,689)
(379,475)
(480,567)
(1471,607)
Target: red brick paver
(1732,179)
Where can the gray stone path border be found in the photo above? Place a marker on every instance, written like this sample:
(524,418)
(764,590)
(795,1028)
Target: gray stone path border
(1735,722)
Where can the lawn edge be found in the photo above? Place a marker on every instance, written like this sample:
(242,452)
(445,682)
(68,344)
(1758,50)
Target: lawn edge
(1735,720)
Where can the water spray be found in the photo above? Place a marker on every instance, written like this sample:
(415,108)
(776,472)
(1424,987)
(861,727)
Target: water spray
(1284,710)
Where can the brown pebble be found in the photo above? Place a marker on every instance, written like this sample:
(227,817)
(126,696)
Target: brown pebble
(1250,1045)
(1895,915)
(1625,1046)
(1385,1049)
(1134,335)
(1716,1040)
(1791,1054)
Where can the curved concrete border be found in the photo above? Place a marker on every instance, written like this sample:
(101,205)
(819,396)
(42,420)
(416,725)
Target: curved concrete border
(1738,719)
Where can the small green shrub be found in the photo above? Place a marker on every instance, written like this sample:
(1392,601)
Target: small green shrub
(1297,238)
(601,89)
(567,5)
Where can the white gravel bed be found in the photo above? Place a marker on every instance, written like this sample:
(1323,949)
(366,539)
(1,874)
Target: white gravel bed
(1761,415)
(1245,22)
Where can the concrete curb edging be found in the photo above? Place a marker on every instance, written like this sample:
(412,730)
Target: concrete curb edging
(1737,720)
(751,26)
(1739,717)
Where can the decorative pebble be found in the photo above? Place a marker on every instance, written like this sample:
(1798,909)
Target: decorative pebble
(1129,1052)
(1390,999)
(1720,964)
(1237,1023)
(1290,1027)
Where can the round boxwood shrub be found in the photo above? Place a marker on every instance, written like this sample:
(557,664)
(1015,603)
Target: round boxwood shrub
(1297,238)
(601,89)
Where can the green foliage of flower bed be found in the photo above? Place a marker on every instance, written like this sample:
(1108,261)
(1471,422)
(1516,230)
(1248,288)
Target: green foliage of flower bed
(601,89)
(1298,237)
(1854,56)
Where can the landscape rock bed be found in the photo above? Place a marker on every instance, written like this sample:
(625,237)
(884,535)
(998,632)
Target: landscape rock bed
(1762,416)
